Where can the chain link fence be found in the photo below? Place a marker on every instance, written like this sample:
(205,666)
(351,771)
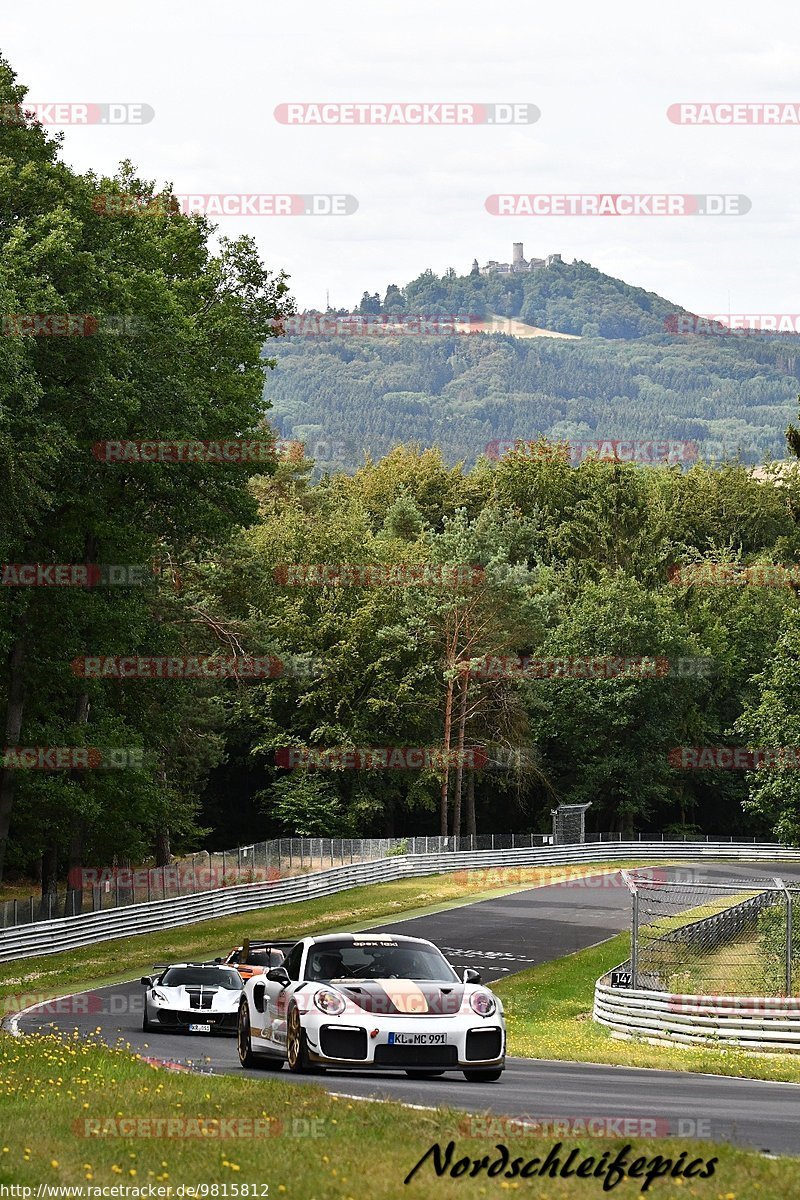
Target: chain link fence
(697,938)
(96,889)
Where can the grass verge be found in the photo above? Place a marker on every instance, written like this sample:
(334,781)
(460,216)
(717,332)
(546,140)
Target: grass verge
(309,1145)
(548,1013)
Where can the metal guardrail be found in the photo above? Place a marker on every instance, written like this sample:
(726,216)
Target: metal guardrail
(750,1022)
(91,889)
(68,933)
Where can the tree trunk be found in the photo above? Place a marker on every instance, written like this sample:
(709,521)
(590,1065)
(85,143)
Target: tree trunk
(73,901)
(448,721)
(462,720)
(471,830)
(50,871)
(15,707)
(162,848)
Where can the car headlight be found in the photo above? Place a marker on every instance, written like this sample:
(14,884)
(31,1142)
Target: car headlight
(158,995)
(482,1003)
(331,1003)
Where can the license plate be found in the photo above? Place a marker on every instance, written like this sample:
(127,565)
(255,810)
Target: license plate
(199,1029)
(417,1039)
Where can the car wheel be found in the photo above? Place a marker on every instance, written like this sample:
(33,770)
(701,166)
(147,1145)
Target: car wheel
(483,1076)
(244,1045)
(296,1043)
(146,1026)
(419,1074)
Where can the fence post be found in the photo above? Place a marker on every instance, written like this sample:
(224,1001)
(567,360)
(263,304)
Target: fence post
(789,943)
(634,927)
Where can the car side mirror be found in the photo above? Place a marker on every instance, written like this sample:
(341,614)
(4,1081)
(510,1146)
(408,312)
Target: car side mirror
(279,975)
(146,981)
(217,960)
(471,975)
(258,996)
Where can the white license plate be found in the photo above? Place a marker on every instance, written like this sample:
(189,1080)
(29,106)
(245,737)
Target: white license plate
(199,1029)
(417,1039)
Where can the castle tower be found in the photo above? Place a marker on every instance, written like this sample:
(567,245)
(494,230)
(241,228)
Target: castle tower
(517,257)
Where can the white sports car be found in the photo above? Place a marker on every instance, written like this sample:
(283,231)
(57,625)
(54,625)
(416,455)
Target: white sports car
(371,1001)
(195,997)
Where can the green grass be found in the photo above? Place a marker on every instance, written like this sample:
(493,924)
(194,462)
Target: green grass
(548,1012)
(312,1146)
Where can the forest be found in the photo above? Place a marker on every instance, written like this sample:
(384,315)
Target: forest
(628,376)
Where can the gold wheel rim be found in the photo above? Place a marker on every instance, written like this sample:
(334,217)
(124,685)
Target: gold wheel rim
(244,1035)
(294,1038)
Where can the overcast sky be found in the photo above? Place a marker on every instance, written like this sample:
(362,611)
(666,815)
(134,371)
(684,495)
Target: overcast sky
(603,77)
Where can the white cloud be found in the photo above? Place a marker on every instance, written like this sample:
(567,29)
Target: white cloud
(603,77)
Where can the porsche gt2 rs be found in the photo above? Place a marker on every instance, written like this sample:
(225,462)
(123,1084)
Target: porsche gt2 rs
(371,1001)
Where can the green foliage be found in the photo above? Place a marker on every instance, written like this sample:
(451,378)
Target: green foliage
(628,376)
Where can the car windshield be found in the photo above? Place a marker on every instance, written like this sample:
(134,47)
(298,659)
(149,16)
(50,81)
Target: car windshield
(384,959)
(202,977)
(265,958)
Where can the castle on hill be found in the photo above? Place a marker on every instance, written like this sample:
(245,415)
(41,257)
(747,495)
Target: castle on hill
(518,263)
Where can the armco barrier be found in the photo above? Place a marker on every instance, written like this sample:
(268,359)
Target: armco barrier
(68,933)
(752,1022)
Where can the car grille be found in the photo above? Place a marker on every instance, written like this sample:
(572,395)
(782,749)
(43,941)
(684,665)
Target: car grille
(343,1043)
(484,1044)
(172,1018)
(416,1056)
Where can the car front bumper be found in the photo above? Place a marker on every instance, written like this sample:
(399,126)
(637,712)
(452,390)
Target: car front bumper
(400,1044)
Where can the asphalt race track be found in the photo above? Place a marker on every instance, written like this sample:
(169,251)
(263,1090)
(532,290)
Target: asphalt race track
(500,936)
